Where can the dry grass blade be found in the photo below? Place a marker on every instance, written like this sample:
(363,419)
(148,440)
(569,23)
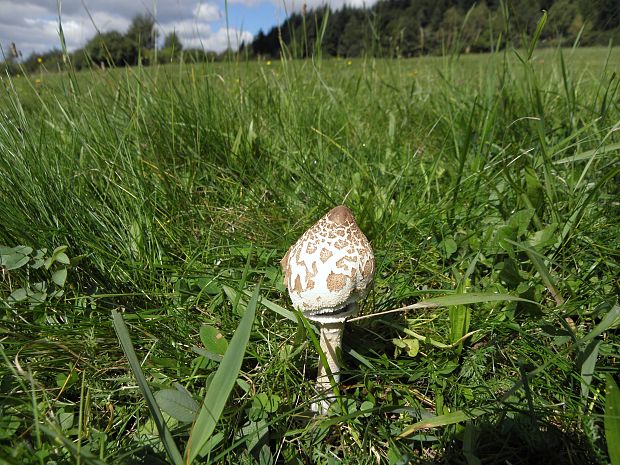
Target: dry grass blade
(448,300)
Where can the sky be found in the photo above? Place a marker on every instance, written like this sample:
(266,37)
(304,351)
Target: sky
(33,24)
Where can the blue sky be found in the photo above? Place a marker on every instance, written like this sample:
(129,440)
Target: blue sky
(255,17)
(33,24)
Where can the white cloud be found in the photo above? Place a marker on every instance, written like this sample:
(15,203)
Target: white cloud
(196,34)
(223,38)
(33,24)
(207,12)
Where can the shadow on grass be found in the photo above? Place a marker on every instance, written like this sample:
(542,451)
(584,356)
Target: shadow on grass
(509,434)
(518,439)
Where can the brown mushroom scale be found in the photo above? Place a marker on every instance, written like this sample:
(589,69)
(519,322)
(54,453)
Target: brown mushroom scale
(326,272)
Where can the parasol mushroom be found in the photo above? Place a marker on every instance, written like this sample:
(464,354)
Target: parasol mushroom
(326,272)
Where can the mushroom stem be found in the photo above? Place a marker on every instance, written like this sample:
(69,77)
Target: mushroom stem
(331,343)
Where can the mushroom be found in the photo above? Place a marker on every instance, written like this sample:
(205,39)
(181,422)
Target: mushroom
(326,272)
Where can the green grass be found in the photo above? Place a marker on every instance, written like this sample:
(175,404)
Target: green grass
(176,187)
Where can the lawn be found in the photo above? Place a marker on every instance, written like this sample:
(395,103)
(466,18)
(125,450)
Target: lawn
(158,200)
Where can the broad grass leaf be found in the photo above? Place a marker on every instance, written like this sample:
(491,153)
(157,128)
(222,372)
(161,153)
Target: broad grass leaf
(164,433)
(22,249)
(15,257)
(213,339)
(65,420)
(58,255)
(470,436)
(273,307)
(222,383)
(610,319)
(207,354)
(538,262)
(180,405)
(60,277)
(265,457)
(612,420)
(18,295)
(266,402)
(411,346)
(534,189)
(586,361)
(520,220)
(8,426)
(448,246)
(213,441)
(63,258)
(37,298)
(459,317)
(65,381)
(543,237)
(443,420)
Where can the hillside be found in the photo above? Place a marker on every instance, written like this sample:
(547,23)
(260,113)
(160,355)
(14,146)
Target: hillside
(409,28)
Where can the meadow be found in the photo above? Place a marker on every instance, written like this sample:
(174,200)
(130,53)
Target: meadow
(153,205)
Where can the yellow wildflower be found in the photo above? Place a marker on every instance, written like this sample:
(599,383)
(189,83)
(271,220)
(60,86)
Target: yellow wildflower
(39,60)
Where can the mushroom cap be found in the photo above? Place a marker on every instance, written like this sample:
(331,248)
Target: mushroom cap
(330,267)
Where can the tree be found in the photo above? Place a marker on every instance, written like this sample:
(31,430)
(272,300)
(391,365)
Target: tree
(352,39)
(399,33)
(335,25)
(111,48)
(605,14)
(142,32)
(172,42)
(450,27)
(525,15)
(171,50)
(561,16)
(476,30)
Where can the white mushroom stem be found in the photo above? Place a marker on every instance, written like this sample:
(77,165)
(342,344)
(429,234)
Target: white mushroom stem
(331,344)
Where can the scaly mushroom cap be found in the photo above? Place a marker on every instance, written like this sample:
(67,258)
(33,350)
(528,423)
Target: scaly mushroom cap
(329,267)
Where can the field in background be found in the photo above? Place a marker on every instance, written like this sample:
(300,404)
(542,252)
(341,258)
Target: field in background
(176,188)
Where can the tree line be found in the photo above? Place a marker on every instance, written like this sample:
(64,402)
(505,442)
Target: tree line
(138,45)
(416,27)
(387,29)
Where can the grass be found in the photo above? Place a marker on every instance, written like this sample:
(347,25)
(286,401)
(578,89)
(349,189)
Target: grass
(177,189)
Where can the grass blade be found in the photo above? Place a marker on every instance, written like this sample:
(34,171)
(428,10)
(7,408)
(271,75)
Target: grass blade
(610,319)
(134,364)
(222,383)
(545,275)
(586,362)
(82,455)
(443,420)
(447,300)
(612,420)
(539,28)
(233,295)
(589,154)
(470,298)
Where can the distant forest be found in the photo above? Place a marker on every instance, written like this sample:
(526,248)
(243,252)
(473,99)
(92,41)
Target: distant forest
(416,27)
(137,45)
(390,28)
